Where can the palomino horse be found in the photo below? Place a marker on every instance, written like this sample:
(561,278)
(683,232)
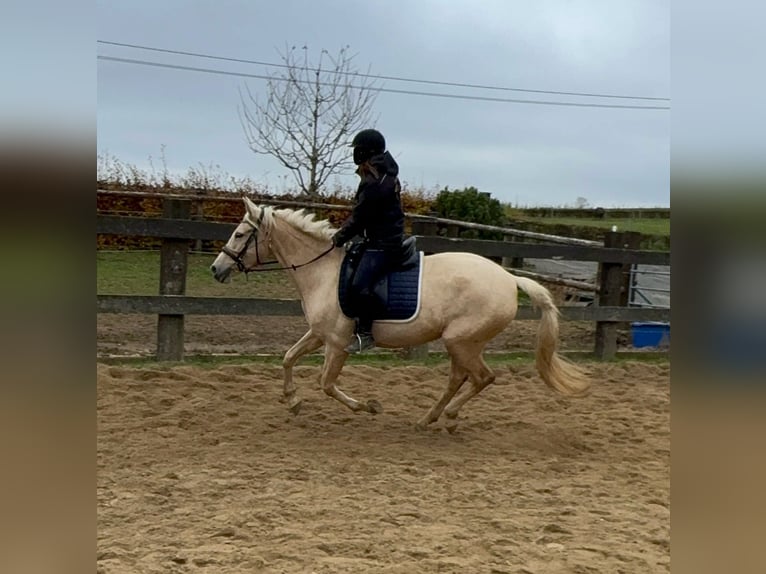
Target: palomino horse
(466,300)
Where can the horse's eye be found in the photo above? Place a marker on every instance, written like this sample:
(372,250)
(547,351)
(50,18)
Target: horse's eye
(237,235)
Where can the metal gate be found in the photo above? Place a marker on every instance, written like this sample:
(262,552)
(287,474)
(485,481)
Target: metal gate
(649,287)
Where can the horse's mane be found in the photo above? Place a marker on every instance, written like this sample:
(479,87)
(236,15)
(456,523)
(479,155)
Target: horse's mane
(304,221)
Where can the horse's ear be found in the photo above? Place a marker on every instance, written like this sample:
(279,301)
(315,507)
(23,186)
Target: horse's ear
(252,209)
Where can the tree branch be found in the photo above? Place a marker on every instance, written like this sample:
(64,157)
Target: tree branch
(309,115)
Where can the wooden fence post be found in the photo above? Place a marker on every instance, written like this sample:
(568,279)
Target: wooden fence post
(173,261)
(629,240)
(425,228)
(415,353)
(610,284)
(198,213)
(453,230)
(515,262)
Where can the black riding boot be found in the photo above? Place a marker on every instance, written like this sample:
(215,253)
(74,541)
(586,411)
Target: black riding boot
(362,339)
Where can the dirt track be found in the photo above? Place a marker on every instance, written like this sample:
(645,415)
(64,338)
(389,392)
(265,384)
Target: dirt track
(204,470)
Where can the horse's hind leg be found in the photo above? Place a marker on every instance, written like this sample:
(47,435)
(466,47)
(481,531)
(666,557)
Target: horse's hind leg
(457,377)
(306,344)
(481,377)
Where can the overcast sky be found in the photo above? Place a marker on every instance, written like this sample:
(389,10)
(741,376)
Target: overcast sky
(521,153)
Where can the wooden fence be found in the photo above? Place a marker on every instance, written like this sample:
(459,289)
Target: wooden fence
(179,225)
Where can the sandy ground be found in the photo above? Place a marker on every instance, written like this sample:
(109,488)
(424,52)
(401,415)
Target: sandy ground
(137,335)
(204,470)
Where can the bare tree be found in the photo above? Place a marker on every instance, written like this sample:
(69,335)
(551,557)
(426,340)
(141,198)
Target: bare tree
(310,114)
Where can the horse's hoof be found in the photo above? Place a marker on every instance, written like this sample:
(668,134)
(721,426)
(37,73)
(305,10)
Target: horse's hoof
(451,423)
(295,406)
(374,407)
(421,426)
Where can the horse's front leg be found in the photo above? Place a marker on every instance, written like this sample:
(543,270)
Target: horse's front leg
(307,344)
(334,359)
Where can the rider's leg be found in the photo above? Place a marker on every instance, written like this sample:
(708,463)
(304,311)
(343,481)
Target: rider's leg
(362,339)
(371,269)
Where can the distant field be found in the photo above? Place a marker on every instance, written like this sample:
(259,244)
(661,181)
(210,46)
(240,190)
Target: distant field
(653,226)
(138,273)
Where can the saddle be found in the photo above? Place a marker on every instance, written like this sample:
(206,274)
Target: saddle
(397,294)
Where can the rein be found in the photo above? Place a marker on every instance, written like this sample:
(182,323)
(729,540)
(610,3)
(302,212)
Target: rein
(286,267)
(237,257)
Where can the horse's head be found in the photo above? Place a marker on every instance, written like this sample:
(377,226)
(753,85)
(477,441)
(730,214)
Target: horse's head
(248,247)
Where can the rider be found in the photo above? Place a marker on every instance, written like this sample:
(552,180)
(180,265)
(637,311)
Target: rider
(377,216)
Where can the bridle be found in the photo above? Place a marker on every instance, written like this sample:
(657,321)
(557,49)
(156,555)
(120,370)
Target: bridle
(253,238)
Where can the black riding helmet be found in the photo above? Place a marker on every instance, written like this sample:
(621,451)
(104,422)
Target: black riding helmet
(366,144)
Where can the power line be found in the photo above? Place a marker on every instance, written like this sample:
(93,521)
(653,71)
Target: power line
(375,76)
(388,90)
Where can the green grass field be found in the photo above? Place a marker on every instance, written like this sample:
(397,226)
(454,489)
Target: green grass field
(138,273)
(647,226)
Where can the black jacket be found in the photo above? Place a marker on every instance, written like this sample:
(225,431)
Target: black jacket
(377,213)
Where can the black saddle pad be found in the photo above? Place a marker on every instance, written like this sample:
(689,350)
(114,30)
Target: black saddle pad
(398,293)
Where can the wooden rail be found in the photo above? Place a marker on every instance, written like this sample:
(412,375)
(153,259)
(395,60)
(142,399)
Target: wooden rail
(208,230)
(178,230)
(183,305)
(574,284)
(508,231)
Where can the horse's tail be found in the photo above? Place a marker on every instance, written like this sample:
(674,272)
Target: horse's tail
(557,372)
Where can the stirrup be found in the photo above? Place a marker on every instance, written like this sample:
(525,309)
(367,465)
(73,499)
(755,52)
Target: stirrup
(361,343)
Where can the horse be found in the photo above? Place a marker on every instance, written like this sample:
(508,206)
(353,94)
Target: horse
(466,300)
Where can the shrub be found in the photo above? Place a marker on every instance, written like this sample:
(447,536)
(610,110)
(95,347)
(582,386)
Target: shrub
(469,204)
